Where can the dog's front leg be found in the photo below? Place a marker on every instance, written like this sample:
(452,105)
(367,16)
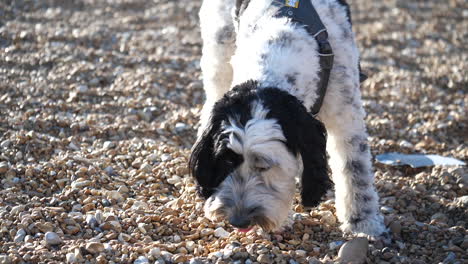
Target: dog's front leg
(218,34)
(350,160)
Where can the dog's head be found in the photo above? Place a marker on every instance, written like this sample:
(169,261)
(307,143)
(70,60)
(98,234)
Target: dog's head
(246,161)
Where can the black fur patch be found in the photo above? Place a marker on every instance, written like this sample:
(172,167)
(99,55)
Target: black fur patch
(305,135)
(241,5)
(291,78)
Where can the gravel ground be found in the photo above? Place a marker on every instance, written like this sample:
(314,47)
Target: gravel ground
(99,102)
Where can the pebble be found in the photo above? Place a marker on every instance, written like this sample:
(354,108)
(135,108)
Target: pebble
(71,258)
(354,251)
(301,253)
(328,218)
(335,244)
(52,239)
(4,167)
(450,258)
(165,157)
(395,228)
(439,217)
(174,179)
(79,184)
(115,195)
(221,233)
(141,260)
(5,144)
(180,127)
(462,201)
(91,221)
(387,210)
(108,145)
(82,88)
(264,258)
(94,247)
(17,209)
(155,252)
(20,235)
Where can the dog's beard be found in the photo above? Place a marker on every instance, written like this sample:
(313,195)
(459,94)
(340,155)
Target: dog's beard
(253,200)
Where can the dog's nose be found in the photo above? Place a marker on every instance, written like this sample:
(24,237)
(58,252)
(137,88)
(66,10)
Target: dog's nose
(240,222)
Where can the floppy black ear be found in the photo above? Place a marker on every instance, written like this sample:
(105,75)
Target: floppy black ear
(312,140)
(202,159)
(306,136)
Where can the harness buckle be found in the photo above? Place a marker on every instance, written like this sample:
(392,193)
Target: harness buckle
(325,50)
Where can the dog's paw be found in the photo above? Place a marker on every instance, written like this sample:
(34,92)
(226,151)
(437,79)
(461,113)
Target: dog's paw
(372,227)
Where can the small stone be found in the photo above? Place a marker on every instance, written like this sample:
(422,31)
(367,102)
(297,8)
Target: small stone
(17,209)
(179,258)
(108,145)
(328,218)
(264,258)
(124,237)
(5,144)
(206,232)
(4,259)
(190,245)
(91,221)
(165,157)
(71,258)
(439,218)
(221,233)
(141,260)
(464,244)
(146,167)
(335,244)
(94,247)
(155,252)
(79,184)
(4,166)
(395,228)
(387,254)
(450,258)
(180,127)
(387,209)
(52,239)
(28,239)
(20,235)
(152,157)
(301,253)
(174,179)
(462,201)
(115,195)
(354,251)
(82,88)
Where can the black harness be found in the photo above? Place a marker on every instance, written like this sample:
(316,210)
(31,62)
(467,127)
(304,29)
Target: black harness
(304,13)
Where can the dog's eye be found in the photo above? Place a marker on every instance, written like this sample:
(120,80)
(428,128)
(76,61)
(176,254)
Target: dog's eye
(230,157)
(253,210)
(262,163)
(261,169)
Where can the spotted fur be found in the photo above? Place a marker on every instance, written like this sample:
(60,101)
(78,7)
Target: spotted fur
(280,56)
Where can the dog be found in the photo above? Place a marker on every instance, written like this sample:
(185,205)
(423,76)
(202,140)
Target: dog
(264,71)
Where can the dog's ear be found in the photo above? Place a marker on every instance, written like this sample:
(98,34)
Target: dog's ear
(306,136)
(202,159)
(311,140)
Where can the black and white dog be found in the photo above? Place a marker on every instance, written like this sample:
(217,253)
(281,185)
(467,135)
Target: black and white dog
(262,74)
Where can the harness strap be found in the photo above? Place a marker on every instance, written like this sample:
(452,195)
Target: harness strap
(304,13)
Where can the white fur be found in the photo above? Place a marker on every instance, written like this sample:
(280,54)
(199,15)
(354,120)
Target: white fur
(236,52)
